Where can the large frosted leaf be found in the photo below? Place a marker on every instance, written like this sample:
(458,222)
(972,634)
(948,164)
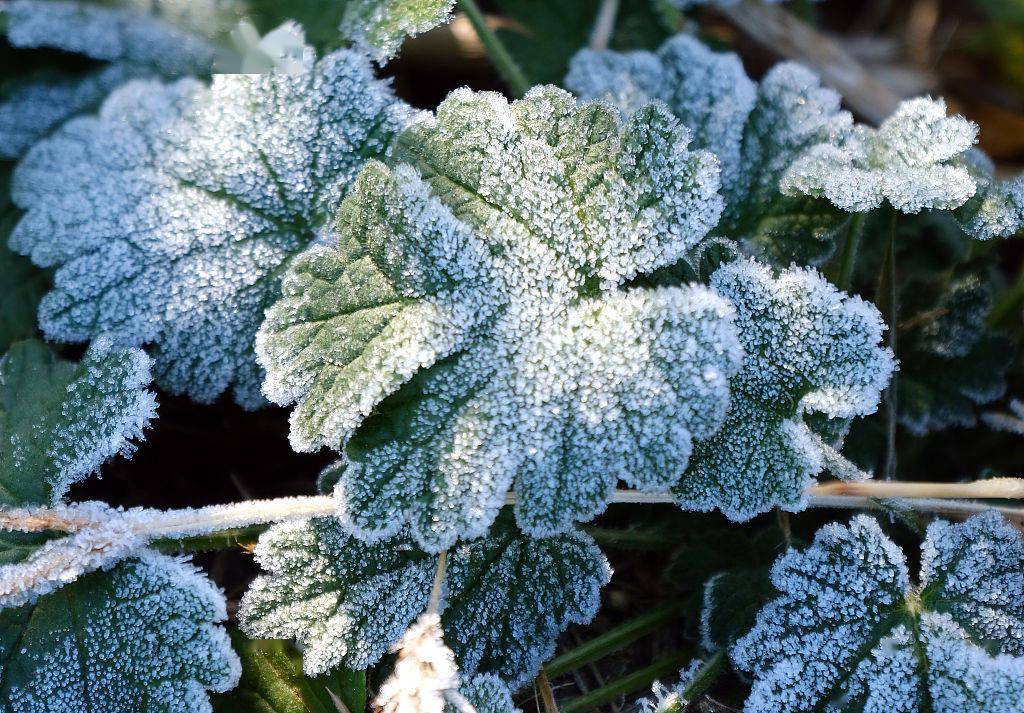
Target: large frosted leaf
(140,637)
(173,213)
(507,598)
(59,420)
(849,632)
(913,160)
(757,130)
(382,25)
(808,348)
(472,304)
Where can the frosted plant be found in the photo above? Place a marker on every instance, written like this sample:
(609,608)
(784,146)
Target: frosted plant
(757,130)
(425,674)
(346,602)
(135,39)
(1012,422)
(381,25)
(850,631)
(953,363)
(487,694)
(59,421)
(670,698)
(808,348)
(473,304)
(913,160)
(997,209)
(172,214)
(142,636)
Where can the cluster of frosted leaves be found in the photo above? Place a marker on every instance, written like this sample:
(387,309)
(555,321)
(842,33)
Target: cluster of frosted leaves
(381,25)
(997,208)
(808,348)
(134,39)
(850,632)
(953,364)
(172,214)
(59,420)
(914,160)
(140,637)
(346,602)
(471,302)
(757,130)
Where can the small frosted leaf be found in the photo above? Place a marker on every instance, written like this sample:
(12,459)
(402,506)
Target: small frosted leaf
(171,215)
(166,40)
(1011,422)
(381,25)
(913,160)
(808,348)
(487,694)
(849,632)
(997,209)
(60,421)
(346,602)
(468,331)
(141,637)
(755,130)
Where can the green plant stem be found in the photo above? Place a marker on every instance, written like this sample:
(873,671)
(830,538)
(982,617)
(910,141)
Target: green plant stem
(631,539)
(222,540)
(614,639)
(887,298)
(636,681)
(1010,303)
(851,246)
(496,50)
(705,677)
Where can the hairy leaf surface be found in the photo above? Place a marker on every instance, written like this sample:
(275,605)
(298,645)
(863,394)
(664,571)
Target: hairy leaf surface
(850,632)
(172,214)
(140,637)
(59,421)
(757,130)
(345,601)
(808,348)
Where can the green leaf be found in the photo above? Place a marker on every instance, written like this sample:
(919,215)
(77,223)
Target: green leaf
(142,636)
(59,421)
(544,36)
(181,242)
(272,682)
(757,130)
(808,348)
(21,288)
(850,632)
(473,303)
(732,600)
(380,26)
(507,596)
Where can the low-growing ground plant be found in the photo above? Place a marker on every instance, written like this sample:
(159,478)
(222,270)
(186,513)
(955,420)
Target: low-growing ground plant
(607,356)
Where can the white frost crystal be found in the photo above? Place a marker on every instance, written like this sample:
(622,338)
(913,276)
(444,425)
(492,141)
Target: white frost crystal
(424,672)
(140,637)
(172,214)
(914,159)
(997,209)
(60,421)
(808,348)
(850,632)
(472,303)
(380,26)
(757,130)
(346,602)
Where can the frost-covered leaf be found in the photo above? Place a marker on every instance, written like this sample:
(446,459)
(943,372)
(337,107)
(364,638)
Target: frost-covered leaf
(272,682)
(808,348)
(487,694)
(173,213)
(21,287)
(381,25)
(730,604)
(757,130)
(850,632)
(914,160)
(346,602)
(953,363)
(1012,422)
(140,637)
(59,421)
(997,208)
(472,304)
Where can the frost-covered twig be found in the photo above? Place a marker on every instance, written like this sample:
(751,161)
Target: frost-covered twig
(604,25)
